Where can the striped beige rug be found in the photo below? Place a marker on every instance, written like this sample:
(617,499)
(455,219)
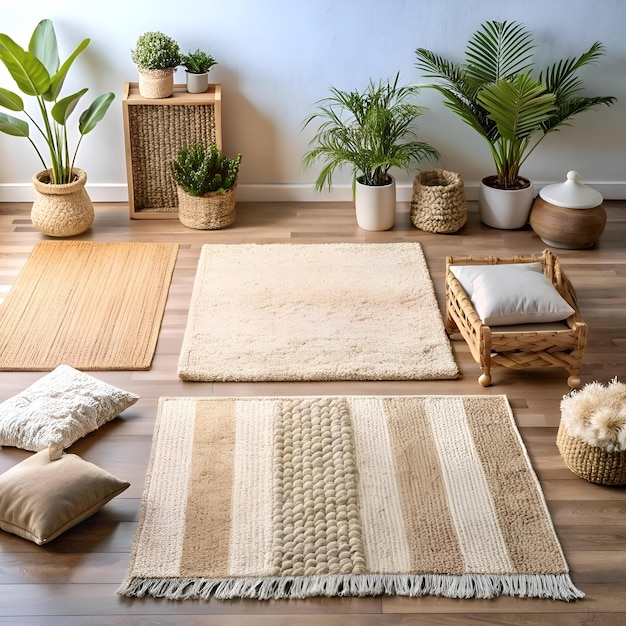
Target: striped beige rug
(91,305)
(301,496)
(348,311)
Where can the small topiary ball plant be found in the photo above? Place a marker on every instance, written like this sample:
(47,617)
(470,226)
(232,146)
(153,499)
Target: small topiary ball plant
(156,51)
(596,414)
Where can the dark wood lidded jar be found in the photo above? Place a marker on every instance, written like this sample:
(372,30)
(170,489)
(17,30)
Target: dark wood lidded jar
(568,215)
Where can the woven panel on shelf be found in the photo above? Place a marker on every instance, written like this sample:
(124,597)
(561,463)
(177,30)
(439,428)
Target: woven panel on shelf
(208,212)
(438,202)
(152,133)
(594,464)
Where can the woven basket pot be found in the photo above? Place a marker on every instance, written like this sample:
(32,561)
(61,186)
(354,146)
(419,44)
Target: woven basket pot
(438,202)
(61,210)
(156,83)
(590,462)
(210,211)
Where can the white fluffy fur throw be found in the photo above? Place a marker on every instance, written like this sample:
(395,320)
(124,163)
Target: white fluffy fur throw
(597,415)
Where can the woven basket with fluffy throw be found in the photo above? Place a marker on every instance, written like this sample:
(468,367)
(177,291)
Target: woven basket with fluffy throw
(592,433)
(438,202)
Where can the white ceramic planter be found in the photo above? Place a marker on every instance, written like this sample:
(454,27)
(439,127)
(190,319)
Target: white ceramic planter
(375,206)
(197,83)
(505,208)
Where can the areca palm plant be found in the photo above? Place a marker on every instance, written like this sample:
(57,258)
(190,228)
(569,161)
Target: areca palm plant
(369,131)
(496,92)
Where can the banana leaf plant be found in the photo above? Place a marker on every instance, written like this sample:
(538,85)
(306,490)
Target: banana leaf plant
(496,92)
(39,73)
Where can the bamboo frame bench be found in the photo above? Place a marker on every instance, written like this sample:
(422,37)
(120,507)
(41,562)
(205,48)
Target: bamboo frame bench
(560,344)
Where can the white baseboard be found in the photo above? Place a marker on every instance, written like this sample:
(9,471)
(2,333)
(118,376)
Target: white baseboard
(24,192)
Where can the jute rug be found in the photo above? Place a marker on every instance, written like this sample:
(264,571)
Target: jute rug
(91,305)
(335,496)
(314,312)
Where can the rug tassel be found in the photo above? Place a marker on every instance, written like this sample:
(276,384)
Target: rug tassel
(485,586)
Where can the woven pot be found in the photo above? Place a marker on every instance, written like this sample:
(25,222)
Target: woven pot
(61,210)
(207,212)
(438,202)
(590,462)
(156,83)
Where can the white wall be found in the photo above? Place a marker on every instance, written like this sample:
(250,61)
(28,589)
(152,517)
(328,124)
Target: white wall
(277,57)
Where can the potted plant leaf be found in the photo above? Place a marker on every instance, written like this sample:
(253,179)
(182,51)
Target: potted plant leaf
(496,91)
(197,65)
(370,132)
(62,206)
(156,55)
(205,184)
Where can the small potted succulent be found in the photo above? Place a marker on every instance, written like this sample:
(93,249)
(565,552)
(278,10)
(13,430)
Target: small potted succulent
(156,55)
(197,65)
(205,184)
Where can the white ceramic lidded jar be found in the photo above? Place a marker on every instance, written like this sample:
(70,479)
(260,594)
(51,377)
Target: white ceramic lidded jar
(568,215)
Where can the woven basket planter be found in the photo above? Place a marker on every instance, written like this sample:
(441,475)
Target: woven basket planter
(156,83)
(61,210)
(438,202)
(594,464)
(592,432)
(210,211)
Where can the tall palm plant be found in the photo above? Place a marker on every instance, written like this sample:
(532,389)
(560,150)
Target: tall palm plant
(369,131)
(494,91)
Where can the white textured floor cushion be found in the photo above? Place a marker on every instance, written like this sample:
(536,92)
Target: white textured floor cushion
(60,408)
(46,494)
(513,293)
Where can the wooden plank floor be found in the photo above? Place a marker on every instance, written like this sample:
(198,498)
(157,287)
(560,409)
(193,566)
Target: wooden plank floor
(73,580)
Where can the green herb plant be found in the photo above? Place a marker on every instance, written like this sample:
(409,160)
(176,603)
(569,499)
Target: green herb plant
(199,170)
(197,62)
(156,51)
(369,131)
(39,73)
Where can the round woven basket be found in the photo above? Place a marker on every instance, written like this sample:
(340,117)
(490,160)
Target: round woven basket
(590,462)
(156,83)
(61,210)
(438,202)
(210,211)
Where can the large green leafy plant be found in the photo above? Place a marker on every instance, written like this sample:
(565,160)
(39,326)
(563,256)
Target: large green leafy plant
(497,92)
(369,131)
(39,73)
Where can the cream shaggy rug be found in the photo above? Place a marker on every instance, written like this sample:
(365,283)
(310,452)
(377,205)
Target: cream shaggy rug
(343,496)
(347,311)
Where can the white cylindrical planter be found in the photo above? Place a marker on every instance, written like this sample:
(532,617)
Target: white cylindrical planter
(505,208)
(197,83)
(375,205)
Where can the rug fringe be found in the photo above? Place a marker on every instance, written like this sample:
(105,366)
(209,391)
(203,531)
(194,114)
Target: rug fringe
(550,586)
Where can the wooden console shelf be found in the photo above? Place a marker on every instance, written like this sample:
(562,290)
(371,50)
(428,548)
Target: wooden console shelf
(154,132)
